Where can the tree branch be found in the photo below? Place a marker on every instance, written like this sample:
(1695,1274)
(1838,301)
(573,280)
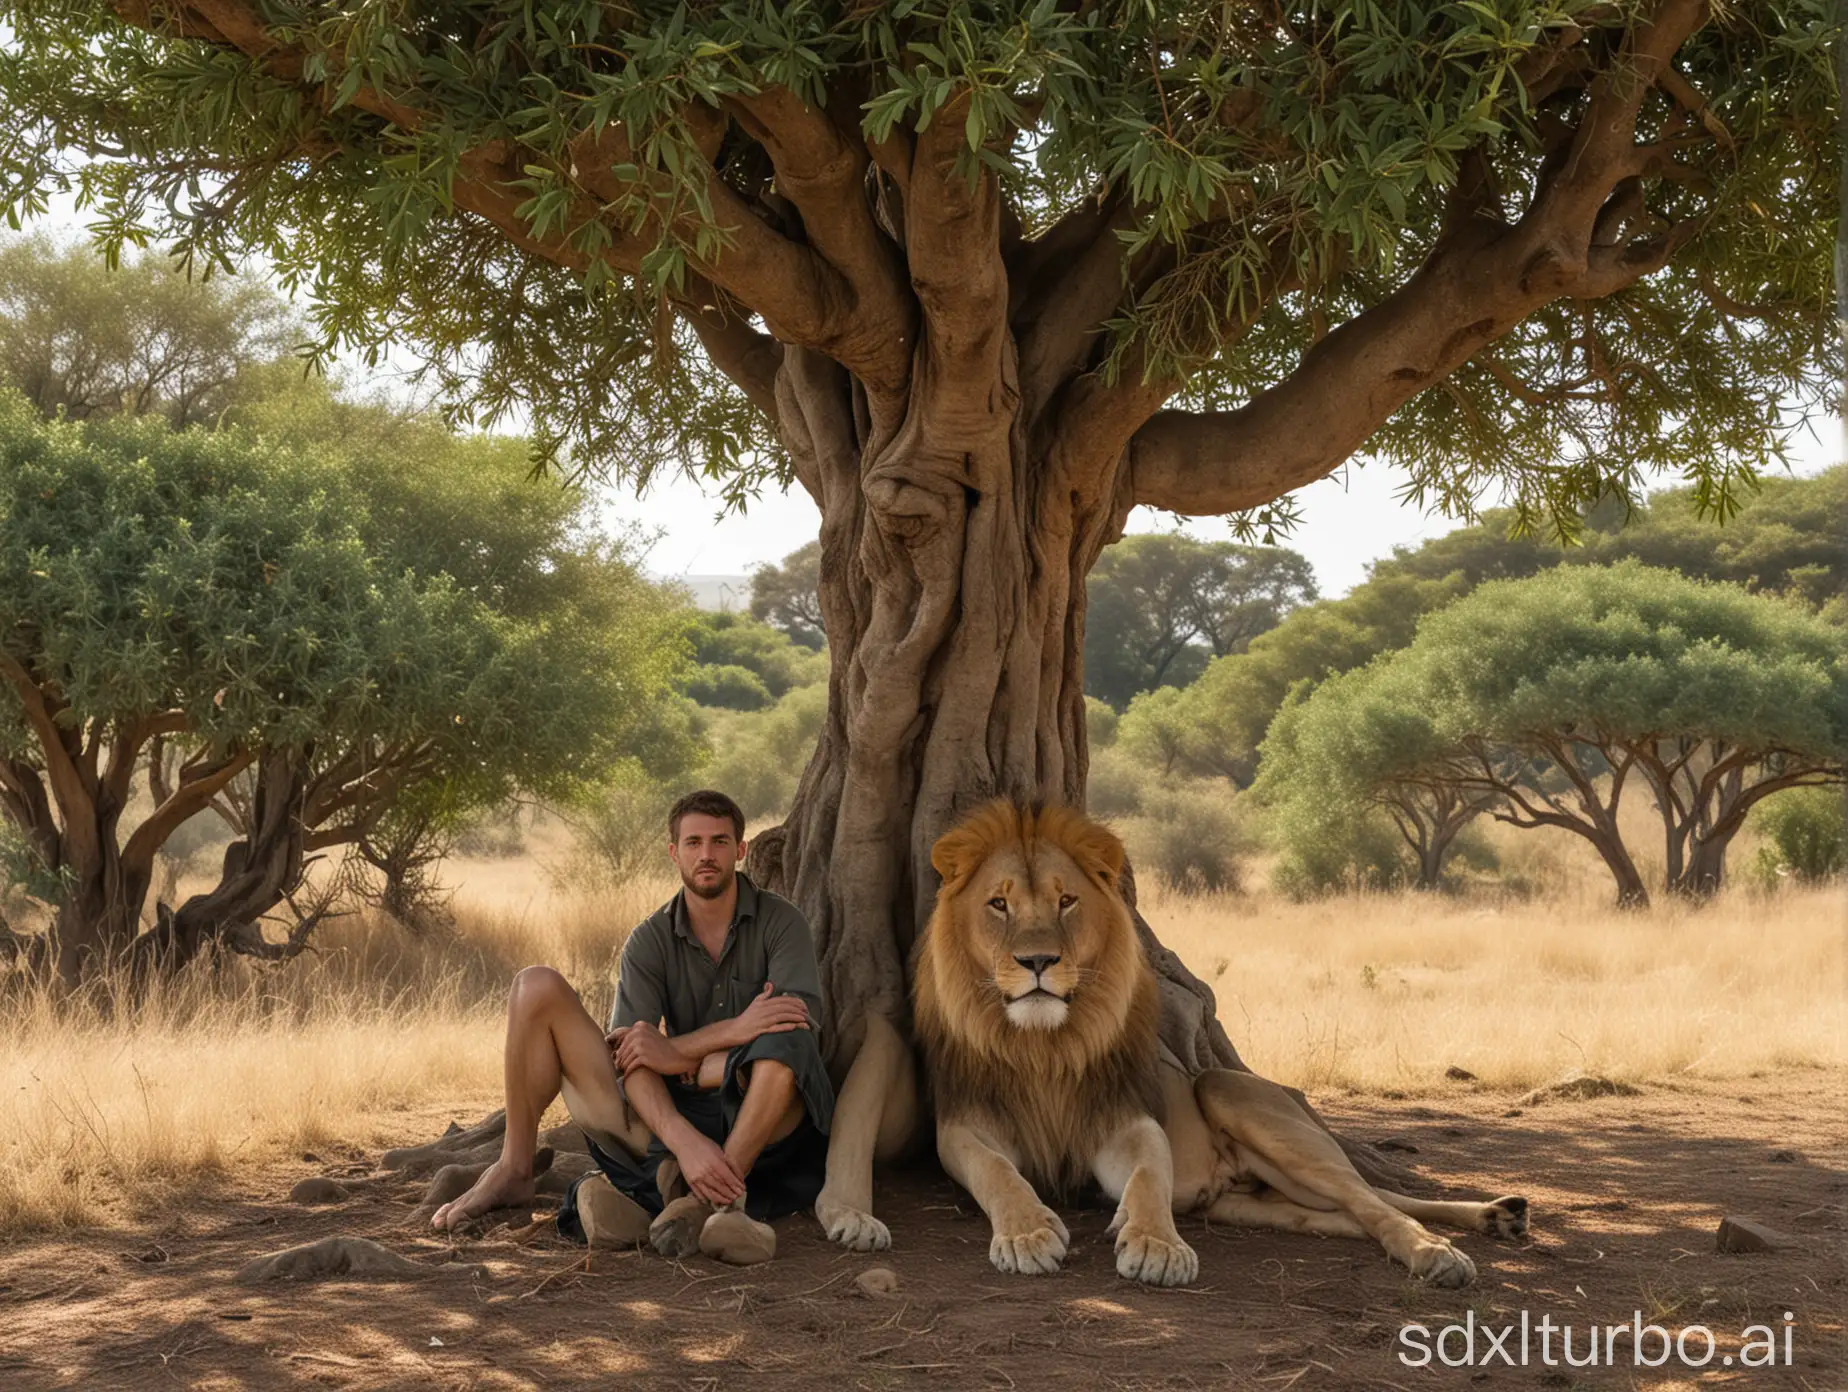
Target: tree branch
(198,786)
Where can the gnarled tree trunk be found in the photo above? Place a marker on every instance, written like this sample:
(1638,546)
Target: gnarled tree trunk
(954,555)
(954,559)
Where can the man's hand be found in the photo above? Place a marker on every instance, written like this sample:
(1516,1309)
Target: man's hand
(707,1171)
(771,1014)
(641,1045)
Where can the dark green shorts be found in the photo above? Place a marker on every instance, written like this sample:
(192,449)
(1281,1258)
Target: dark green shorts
(788,1174)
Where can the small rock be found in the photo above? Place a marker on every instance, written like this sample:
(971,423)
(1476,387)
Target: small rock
(1459,1075)
(1396,1143)
(876,1282)
(1514,1112)
(310,1158)
(1783,1157)
(1743,1235)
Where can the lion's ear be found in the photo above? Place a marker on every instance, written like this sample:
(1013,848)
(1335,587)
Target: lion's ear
(1098,852)
(957,853)
(960,851)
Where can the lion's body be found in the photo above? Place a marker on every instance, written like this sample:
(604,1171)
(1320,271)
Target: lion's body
(1036,1012)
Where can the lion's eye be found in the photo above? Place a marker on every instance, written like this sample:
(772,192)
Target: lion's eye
(998,904)
(1066,901)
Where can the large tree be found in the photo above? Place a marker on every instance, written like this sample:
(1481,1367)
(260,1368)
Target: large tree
(1160,606)
(79,338)
(984,277)
(268,630)
(1545,701)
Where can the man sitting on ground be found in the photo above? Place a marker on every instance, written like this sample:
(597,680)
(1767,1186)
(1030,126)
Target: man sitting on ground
(710,1079)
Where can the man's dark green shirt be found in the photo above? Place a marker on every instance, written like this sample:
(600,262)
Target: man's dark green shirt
(666,975)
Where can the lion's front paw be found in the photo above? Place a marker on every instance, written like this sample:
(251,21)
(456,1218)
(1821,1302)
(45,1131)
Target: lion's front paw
(1034,1248)
(851,1227)
(1156,1258)
(1438,1262)
(1505,1218)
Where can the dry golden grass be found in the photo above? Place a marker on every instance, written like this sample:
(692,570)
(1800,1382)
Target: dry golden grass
(111,1112)
(108,1109)
(1383,992)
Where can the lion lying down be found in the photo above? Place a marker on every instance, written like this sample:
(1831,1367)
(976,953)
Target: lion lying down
(1037,1013)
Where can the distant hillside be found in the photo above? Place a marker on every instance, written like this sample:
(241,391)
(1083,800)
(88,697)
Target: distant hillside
(715,593)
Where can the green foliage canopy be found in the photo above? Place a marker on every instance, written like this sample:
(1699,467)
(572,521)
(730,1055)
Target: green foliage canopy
(561,205)
(229,594)
(1159,606)
(77,338)
(1550,694)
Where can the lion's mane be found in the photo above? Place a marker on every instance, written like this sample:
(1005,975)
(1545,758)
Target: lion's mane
(1054,1093)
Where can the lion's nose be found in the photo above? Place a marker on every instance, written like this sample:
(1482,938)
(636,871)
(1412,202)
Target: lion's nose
(1038,962)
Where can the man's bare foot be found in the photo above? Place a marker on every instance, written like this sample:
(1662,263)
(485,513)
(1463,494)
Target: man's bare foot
(498,1187)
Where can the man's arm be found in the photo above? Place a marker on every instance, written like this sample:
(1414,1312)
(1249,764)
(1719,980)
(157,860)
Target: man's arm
(792,964)
(704,1050)
(641,981)
(702,1161)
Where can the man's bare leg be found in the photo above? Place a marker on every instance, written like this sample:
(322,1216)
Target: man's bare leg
(550,1039)
(770,1111)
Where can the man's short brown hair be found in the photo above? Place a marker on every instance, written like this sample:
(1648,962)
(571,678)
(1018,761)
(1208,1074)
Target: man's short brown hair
(707,802)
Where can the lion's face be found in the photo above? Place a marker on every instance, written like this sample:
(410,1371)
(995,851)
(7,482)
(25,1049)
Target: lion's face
(1031,920)
(1035,936)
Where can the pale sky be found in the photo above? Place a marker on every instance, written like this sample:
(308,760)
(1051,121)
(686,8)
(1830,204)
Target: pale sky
(1348,519)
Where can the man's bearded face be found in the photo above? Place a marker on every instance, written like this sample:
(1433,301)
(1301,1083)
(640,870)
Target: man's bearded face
(706,854)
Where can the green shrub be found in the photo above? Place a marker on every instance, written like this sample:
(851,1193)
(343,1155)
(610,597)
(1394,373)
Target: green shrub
(757,759)
(737,640)
(1188,838)
(1330,855)
(1806,832)
(1100,723)
(615,839)
(728,687)
(1116,784)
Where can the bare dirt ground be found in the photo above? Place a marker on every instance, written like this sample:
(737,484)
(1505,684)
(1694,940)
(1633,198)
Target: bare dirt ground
(1627,1192)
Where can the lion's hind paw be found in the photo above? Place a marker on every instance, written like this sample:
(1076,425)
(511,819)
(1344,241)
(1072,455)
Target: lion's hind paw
(1506,1218)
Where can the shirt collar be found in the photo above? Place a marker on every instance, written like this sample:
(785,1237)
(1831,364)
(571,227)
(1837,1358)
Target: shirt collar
(746,909)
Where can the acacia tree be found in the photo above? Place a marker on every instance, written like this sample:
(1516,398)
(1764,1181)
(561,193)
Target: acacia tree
(1353,745)
(788,596)
(982,277)
(262,629)
(78,338)
(1554,695)
(1159,606)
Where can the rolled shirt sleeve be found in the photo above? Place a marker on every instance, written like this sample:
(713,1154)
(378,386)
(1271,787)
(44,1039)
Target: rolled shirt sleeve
(792,967)
(641,982)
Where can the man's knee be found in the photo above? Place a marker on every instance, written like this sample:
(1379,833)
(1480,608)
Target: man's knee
(538,988)
(770,1076)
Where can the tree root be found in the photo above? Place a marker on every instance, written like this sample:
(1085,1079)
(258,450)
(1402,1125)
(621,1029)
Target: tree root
(338,1256)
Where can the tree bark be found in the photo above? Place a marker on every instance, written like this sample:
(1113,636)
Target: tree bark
(954,556)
